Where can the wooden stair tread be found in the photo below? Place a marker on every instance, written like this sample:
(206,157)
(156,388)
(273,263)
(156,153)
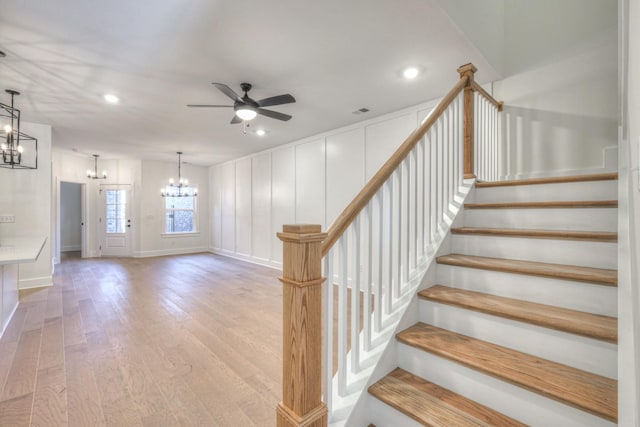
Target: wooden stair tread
(545,205)
(589,392)
(557,271)
(590,325)
(552,180)
(432,405)
(599,236)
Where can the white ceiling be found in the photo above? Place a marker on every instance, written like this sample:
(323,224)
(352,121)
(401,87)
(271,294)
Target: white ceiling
(333,56)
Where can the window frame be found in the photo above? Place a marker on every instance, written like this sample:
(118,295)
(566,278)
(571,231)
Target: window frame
(165,210)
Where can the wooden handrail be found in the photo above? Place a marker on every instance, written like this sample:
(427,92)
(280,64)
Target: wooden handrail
(347,216)
(475,86)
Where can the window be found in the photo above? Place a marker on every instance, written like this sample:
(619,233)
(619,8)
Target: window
(116,211)
(180,212)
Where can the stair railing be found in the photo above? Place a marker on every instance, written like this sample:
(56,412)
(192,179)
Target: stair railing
(375,255)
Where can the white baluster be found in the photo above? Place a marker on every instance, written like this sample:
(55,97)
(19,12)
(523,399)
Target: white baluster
(342,315)
(327,359)
(368,276)
(355,298)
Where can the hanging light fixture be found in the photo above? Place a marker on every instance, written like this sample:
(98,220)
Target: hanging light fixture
(181,189)
(18,150)
(93,174)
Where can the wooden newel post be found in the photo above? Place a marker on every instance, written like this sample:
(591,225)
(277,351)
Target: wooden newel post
(302,281)
(469,70)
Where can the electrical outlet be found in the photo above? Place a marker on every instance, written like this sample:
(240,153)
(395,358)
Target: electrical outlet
(7,218)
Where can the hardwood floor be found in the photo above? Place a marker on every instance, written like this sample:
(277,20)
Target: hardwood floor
(184,340)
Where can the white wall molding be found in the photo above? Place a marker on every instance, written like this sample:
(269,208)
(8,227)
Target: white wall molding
(35,282)
(253,260)
(173,251)
(71,248)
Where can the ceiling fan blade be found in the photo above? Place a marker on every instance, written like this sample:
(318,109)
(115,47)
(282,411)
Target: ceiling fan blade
(274,114)
(207,105)
(276,100)
(228,91)
(236,120)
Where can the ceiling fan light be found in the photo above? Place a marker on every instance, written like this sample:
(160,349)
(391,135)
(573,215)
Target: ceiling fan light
(246,113)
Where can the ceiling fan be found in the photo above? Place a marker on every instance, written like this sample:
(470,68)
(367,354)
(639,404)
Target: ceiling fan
(246,108)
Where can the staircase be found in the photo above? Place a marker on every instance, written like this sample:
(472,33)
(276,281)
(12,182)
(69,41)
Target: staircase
(520,327)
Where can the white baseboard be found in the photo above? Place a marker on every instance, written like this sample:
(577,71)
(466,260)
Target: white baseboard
(172,251)
(254,260)
(36,282)
(15,307)
(70,248)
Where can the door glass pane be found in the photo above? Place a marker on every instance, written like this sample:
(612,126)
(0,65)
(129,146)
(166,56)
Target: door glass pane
(116,210)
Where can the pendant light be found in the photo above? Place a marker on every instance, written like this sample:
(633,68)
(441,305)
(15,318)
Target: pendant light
(93,174)
(17,149)
(181,189)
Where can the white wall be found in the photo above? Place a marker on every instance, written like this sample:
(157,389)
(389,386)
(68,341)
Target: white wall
(146,178)
(28,197)
(151,239)
(562,118)
(629,225)
(308,181)
(542,32)
(69,166)
(70,217)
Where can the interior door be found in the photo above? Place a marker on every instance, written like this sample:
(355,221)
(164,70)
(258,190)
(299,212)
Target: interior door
(115,222)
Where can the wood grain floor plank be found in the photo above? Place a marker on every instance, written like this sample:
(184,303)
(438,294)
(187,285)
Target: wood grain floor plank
(16,412)
(594,326)
(147,342)
(50,401)
(599,276)
(22,377)
(592,393)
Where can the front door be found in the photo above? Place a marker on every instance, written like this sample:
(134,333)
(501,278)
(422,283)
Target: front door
(115,223)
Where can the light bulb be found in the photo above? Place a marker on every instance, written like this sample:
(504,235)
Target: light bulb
(7,128)
(195,191)
(186,182)
(20,149)
(112,99)
(260,132)
(104,174)
(246,113)
(410,73)
(162,193)
(89,172)
(171,181)
(3,146)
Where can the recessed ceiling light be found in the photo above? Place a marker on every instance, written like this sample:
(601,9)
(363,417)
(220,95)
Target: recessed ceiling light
(410,73)
(111,98)
(261,132)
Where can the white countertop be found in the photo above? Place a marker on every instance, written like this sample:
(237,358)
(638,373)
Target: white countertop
(16,250)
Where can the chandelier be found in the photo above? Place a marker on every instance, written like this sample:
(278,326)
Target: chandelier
(181,189)
(17,149)
(93,174)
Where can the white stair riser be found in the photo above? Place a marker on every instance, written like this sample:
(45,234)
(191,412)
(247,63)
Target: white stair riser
(511,400)
(580,352)
(575,219)
(580,296)
(594,190)
(571,252)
